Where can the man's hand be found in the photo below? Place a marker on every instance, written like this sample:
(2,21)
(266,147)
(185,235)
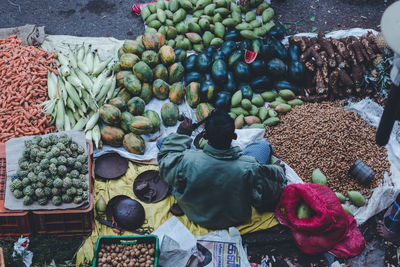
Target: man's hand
(280,164)
(185,127)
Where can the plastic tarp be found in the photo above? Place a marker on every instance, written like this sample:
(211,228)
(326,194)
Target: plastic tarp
(156,213)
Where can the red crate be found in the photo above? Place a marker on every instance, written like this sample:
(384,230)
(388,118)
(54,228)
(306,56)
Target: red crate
(12,223)
(71,222)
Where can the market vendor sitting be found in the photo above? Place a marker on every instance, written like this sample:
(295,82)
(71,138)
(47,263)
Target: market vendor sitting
(216,187)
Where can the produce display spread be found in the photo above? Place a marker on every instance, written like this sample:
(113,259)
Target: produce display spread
(51,168)
(23,76)
(324,135)
(211,54)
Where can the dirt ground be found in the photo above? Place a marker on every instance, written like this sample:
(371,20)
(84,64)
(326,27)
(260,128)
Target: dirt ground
(329,15)
(114,18)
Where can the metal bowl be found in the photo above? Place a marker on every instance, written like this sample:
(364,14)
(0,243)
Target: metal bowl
(149,187)
(127,213)
(110,166)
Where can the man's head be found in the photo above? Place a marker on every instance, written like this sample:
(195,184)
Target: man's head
(220,130)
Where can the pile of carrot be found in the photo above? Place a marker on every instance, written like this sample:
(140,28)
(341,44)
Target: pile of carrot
(23,86)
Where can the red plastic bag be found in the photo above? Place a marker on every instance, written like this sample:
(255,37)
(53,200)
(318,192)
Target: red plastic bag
(330,229)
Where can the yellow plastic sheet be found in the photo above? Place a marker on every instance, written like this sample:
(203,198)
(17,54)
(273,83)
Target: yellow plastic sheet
(156,213)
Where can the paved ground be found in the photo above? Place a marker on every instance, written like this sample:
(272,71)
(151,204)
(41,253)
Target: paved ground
(113,18)
(75,17)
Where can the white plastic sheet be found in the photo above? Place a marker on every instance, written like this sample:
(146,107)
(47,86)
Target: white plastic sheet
(386,193)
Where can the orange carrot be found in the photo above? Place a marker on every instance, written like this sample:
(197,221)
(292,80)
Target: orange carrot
(23,83)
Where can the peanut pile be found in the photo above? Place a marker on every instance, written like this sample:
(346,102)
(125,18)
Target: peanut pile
(141,255)
(325,136)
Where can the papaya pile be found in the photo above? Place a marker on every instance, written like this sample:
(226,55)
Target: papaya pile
(148,68)
(195,25)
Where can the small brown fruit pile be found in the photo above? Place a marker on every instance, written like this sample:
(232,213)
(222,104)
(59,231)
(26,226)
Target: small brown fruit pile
(139,255)
(325,136)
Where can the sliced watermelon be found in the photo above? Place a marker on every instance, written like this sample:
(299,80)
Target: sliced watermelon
(249,56)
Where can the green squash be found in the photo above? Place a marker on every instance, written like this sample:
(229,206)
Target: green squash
(242,71)
(276,68)
(203,63)
(193,77)
(261,84)
(247,92)
(219,72)
(190,63)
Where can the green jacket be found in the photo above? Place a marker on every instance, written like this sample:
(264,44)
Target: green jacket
(216,188)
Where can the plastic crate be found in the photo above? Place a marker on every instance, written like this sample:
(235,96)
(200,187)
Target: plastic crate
(70,222)
(127,240)
(12,223)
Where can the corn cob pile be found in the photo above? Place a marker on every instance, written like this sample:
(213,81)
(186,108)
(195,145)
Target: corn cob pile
(84,83)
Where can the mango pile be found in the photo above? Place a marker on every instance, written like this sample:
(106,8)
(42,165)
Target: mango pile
(356,198)
(251,110)
(210,21)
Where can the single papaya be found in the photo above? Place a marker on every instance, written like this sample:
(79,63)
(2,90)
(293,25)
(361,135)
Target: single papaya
(154,119)
(134,143)
(160,89)
(147,92)
(110,114)
(193,94)
(126,119)
(136,105)
(140,125)
(203,110)
(143,72)
(112,136)
(118,102)
(132,84)
(169,113)
(160,72)
(167,55)
(128,60)
(177,93)
(176,72)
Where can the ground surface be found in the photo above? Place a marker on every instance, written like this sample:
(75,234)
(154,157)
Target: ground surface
(113,18)
(104,18)
(44,249)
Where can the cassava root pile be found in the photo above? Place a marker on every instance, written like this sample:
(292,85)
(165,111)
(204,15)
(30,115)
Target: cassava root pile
(322,135)
(337,65)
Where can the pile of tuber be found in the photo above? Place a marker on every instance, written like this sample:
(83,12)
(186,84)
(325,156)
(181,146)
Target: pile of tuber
(336,65)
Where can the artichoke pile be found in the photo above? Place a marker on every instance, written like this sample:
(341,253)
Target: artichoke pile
(52,168)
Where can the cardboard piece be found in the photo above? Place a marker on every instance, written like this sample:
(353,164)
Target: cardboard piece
(14,149)
(29,34)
